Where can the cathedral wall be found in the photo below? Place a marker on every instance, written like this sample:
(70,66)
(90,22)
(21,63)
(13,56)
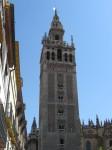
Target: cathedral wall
(89,143)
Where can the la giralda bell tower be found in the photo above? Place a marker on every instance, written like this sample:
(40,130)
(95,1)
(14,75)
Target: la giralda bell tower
(59,121)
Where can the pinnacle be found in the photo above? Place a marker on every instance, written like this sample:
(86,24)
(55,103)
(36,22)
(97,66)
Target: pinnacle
(34,125)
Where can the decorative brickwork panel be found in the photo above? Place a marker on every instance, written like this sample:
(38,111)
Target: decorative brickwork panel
(71,121)
(69,82)
(51,118)
(60,78)
(51,87)
(60,81)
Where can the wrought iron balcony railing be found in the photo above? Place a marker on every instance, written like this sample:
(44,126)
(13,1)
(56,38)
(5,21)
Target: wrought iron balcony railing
(3,131)
(11,130)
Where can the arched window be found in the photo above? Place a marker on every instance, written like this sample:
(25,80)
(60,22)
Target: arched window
(56,37)
(61,141)
(88,145)
(48,55)
(70,58)
(61,127)
(65,57)
(53,56)
(59,54)
(60,111)
(60,98)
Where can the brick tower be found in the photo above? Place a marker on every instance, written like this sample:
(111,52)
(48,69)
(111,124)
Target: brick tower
(59,122)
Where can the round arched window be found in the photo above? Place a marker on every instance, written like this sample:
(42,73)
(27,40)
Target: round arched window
(48,55)
(62,141)
(66,57)
(70,58)
(56,37)
(59,54)
(61,111)
(53,56)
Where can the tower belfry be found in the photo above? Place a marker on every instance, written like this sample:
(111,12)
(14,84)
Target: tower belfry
(59,121)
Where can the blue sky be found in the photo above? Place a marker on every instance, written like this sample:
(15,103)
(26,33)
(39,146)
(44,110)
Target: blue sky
(90,22)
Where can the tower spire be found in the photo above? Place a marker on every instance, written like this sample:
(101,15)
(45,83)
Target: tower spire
(55,11)
(34,125)
(56,31)
(72,41)
(97,121)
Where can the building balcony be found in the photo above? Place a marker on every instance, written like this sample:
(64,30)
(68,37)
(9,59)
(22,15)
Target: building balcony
(57,42)
(61,131)
(23,125)
(20,106)
(3,131)
(25,135)
(60,116)
(21,119)
(61,146)
(10,129)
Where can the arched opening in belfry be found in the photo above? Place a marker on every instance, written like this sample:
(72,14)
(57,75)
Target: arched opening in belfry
(59,54)
(48,55)
(57,37)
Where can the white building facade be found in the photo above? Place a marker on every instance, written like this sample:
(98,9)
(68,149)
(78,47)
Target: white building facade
(13,132)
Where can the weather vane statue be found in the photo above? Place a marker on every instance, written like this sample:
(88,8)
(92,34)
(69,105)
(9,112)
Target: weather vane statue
(72,41)
(55,10)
